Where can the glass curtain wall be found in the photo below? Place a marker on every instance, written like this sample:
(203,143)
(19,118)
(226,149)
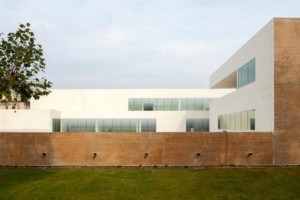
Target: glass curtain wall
(104,125)
(246,74)
(195,104)
(169,104)
(238,121)
(197,125)
(162,104)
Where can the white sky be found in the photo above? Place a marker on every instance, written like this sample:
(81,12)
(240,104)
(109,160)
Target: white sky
(140,43)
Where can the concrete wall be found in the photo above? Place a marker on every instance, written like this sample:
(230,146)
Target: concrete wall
(258,95)
(130,148)
(110,100)
(287,90)
(27,120)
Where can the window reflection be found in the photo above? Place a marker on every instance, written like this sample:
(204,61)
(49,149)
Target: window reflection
(104,125)
(168,104)
(240,121)
(56,125)
(197,125)
(246,74)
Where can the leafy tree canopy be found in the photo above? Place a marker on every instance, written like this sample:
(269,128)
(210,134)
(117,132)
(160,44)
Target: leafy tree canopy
(20,62)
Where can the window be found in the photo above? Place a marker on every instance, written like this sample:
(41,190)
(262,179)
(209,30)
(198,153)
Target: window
(183,104)
(175,104)
(131,106)
(190,104)
(138,104)
(160,104)
(195,104)
(197,125)
(239,121)
(125,125)
(148,105)
(104,125)
(117,125)
(56,125)
(246,74)
(74,126)
(206,104)
(65,125)
(134,125)
(168,104)
(199,104)
(107,125)
(151,125)
(90,125)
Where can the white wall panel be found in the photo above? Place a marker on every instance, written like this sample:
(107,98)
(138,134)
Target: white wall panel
(258,95)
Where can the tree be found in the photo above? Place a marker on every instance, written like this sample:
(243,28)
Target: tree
(21,60)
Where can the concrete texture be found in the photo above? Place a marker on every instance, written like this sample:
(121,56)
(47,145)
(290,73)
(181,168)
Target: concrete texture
(287,90)
(77,149)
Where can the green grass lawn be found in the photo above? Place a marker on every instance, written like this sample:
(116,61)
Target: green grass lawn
(150,183)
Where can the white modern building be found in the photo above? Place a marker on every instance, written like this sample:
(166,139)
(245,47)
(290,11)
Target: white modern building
(240,98)
(147,110)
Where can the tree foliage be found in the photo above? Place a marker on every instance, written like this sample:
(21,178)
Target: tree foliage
(21,60)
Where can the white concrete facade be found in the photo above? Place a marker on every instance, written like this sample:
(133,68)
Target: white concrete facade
(258,95)
(104,104)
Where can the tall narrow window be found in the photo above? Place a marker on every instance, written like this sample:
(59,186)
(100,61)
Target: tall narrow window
(134,125)
(90,125)
(152,103)
(191,104)
(107,125)
(125,125)
(168,104)
(160,104)
(189,125)
(206,104)
(183,104)
(56,125)
(175,104)
(199,104)
(65,125)
(246,74)
(138,104)
(117,125)
(151,125)
(147,105)
(131,105)
(73,125)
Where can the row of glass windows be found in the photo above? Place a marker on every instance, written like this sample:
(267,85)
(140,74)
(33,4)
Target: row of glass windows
(241,121)
(104,125)
(197,125)
(167,104)
(246,74)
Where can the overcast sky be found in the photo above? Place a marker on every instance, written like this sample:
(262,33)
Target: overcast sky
(140,43)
